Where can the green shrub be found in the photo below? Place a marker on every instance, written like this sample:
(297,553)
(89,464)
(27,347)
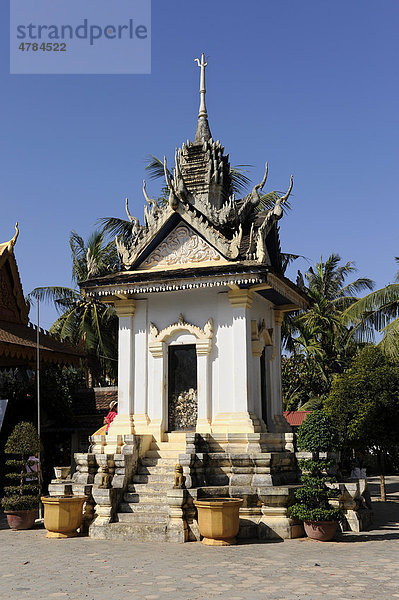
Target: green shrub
(22,443)
(316,434)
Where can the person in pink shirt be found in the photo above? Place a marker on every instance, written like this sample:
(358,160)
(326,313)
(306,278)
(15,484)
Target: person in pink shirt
(113,408)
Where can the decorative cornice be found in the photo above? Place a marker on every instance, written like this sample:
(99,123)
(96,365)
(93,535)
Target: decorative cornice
(125,308)
(286,291)
(240,298)
(173,285)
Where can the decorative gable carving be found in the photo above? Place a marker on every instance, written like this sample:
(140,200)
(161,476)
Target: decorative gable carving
(182,246)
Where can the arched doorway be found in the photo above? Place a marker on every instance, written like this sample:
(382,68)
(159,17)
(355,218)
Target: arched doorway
(182,387)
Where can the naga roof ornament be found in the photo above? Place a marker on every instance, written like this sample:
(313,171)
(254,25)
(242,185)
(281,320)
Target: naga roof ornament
(200,193)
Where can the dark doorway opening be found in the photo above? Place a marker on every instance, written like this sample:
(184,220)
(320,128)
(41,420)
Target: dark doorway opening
(182,387)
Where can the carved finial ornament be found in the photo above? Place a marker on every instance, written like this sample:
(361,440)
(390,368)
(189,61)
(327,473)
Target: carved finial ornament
(13,240)
(202,64)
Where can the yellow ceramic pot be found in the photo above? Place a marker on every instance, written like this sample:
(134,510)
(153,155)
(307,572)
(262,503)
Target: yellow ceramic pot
(63,515)
(218,520)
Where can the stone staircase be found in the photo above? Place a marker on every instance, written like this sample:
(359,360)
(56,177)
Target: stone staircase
(143,514)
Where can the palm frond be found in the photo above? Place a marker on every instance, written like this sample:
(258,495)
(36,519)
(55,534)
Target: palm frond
(268,202)
(114,226)
(155,168)
(239,181)
(57,295)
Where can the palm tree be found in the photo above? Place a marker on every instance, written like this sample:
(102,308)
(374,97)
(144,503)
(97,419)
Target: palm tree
(379,311)
(83,320)
(320,334)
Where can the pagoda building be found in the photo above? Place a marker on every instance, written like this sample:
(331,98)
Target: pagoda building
(200,297)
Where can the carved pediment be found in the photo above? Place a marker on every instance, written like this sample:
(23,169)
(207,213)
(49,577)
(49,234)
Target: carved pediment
(183,246)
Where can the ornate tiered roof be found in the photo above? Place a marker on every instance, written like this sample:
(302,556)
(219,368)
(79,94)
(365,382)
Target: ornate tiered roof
(201,226)
(201,194)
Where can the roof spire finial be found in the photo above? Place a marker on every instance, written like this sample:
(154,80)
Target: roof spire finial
(12,242)
(202,65)
(203,132)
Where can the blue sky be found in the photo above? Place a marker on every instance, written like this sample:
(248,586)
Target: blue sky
(310,86)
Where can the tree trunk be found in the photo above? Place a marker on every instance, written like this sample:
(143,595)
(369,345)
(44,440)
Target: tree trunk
(381,464)
(382,488)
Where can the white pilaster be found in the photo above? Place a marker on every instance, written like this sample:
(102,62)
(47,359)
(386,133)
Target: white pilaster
(203,388)
(157,386)
(140,408)
(279,423)
(123,422)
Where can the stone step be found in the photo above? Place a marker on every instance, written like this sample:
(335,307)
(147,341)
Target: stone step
(149,497)
(163,454)
(151,461)
(165,478)
(142,517)
(137,532)
(144,507)
(180,447)
(175,436)
(153,487)
(157,470)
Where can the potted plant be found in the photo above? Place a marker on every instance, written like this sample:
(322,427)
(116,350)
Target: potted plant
(317,434)
(21,499)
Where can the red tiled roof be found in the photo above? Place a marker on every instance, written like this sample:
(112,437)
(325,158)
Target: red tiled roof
(296,417)
(94,400)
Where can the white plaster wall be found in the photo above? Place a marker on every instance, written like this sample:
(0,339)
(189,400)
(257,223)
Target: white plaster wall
(232,383)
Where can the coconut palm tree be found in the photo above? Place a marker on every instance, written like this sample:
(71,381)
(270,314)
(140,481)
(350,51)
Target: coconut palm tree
(84,320)
(320,334)
(377,311)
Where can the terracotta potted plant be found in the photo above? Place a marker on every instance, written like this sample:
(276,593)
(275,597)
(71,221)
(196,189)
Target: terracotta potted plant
(21,499)
(317,434)
(218,520)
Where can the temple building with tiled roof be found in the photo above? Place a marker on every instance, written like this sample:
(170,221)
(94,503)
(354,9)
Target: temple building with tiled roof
(18,343)
(204,271)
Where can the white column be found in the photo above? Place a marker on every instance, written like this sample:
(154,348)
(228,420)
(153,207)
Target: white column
(140,408)
(157,385)
(203,348)
(123,423)
(241,340)
(279,423)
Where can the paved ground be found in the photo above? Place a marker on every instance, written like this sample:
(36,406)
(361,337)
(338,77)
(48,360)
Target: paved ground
(360,566)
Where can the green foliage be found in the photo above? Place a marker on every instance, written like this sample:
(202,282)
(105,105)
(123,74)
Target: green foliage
(318,433)
(313,404)
(313,499)
(23,440)
(364,402)
(83,320)
(320,335)
(24,495)
(378,310)
(15,502)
